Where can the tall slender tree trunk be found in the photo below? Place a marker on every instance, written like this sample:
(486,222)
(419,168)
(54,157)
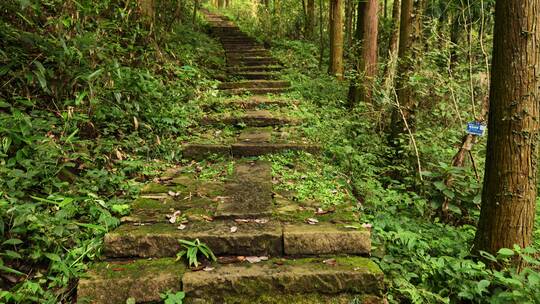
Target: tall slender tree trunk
(310,18)
(336,38)
(509,193)
(321,33)
(404,111)
(349,7)
(147,10)
(361,90)
(394,36)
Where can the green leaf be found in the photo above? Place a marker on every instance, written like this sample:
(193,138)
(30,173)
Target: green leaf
(53,257)
(12,242)
(505,252)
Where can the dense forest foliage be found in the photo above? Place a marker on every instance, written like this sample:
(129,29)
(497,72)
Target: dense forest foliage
(96,97)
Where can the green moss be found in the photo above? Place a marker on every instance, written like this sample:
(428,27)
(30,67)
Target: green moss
(136,268)
(349,262)
(288,299)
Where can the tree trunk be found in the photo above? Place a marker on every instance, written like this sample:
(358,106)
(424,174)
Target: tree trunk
(367,32)
(349,7)
(509,192)
(336,38)
(310,18)
(394,36)
(321,33)
(221,3)
(405,109)
(147,10)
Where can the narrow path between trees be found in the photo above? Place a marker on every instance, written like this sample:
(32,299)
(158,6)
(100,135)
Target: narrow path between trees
(269,248)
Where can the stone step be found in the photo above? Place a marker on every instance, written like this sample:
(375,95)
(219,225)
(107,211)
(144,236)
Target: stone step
(161,240)
(249,84)
(244,47)
(248,103)
(143,280)
(260,68)
(252,61)
(256,75)
(353,275)
(236,54)
(257,118)
(242,149)
(276,281)
(261,91)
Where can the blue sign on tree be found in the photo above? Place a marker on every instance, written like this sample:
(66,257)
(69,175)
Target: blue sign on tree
(476,128)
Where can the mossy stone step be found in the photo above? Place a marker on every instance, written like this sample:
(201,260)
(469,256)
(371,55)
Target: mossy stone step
(251,118)
(283,281)
(259,68)
(248,103)
(249,84)
(249,193)
(244,149)
(353,275)
(325,238)
(260,91)
(256,75)
(237,54)
(161,240)
(143,280)
(253,61)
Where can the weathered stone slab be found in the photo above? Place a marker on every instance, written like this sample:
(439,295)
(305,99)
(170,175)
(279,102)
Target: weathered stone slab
(201,151)
(143,280)
(257,75)
(147,210)
(161,240)
(256,149)
(260,68)
(242,91)
(255,84)
(297,298)
(255,135)
(252,118)
(343,275)
(325,238)
(249,192)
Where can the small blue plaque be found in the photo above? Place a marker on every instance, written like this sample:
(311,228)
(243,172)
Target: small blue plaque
(476,128)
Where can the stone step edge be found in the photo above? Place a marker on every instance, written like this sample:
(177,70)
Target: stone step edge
(271,238)
(201,151)
(145,280)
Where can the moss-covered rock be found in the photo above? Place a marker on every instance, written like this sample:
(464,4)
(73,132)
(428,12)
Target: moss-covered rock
(354,275)
(143,280)
(325,238)
(161,240)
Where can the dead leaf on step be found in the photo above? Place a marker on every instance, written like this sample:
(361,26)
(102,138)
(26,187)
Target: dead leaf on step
(173,194)
(182,227)
(331,262)
(220,199)
(242,221)
(321,211)
(234,229)
(208,218)
(256,259)
(312,221)
(261,221)
(228,260)
(367,226)
(172,217)
(241,258)
(207,268)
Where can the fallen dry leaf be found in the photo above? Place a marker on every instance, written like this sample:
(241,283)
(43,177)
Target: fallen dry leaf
(207,268)
(234,229)
(312,221)
(331,262)
(172,217)
(256,259)
(173,194)
(182,227)
(208,218)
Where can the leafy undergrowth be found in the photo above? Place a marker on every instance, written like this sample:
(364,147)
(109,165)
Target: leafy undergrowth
(93,101)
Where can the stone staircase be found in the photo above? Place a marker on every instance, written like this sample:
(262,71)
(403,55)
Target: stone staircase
(270,249)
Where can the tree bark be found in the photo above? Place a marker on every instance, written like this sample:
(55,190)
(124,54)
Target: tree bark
(321,32)
(349,7)
(509,192)
(336,39)
(361,89)
(406,104)
(310,18)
